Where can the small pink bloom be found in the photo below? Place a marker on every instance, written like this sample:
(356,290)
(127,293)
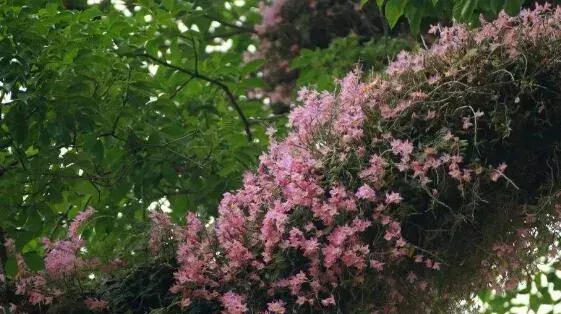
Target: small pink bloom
(366,192)
(498,172)
(277,307)
(393,198)
(328,301)
(96,305)
(379,266)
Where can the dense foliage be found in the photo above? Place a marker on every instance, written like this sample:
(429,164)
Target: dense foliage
(118,111)
(162,104)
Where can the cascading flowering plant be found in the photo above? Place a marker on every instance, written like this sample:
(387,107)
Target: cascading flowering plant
(402,192)
(405,192)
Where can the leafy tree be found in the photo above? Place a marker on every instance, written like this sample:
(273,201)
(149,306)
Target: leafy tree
(118,108)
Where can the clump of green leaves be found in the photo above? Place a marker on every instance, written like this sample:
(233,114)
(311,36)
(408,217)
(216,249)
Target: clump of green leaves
(318,67)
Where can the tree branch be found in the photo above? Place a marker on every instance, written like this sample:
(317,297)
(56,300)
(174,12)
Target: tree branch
(231,97)
(231,25)
(113,131)
(226,34)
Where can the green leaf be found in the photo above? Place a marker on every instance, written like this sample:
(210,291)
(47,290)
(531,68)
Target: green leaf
(363,2)
(534,303)
(394,10)
(252,66)
(512,7)
(169,4)
(414,15)
(11,266)
(90,13)
(17,123)
(33,260)
(463,9)
(85,188)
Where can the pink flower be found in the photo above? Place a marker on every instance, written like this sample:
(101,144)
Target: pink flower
(62,259)
(185,302)
(393,198)
(10,245)
(96,305)
(233,303)
(431,114)
(277,307)
(366,192)
(379,266)
(434,29)
(331,255)
(428,263)
(161,231)
(403,148)
(328,301)
(466,123)
(411,277)
(393,231)
(436,266)
(296,282)
(80,218)
(376,171)
(497,173)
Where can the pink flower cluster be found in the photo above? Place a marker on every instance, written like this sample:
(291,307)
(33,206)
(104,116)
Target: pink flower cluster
(327,200)
(63,256)
(63,263)
(96,305)
(162,231)
(271,15)
(33,285)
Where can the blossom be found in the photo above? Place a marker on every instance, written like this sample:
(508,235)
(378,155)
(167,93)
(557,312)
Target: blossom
(95,304)
(466,123)
(162,230)
(411,277)
(498,172)
(233,303)
(277,307)
(323,195)
(393,231)
(271,15)
(296,282)
(393,198)
(376,170)
(331,255)
(366,192)
(328,301)
(80,218)
(10,245)
(379,266)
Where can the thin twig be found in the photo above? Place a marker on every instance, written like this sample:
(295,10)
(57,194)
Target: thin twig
(231,97)
(231,25)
